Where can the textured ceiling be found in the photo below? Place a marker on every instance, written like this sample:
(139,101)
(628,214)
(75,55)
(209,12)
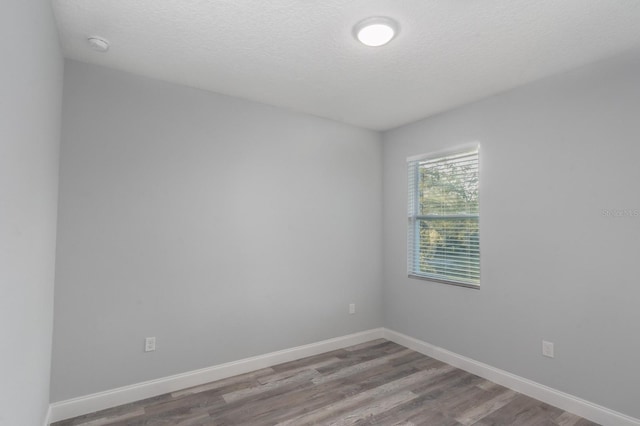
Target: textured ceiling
(301,54)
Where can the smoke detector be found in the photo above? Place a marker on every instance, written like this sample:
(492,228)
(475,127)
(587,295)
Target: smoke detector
(98,44)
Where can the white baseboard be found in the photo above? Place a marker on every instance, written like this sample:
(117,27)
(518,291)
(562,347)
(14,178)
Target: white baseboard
(112,398)
(564,401)
(102,400)
(47,418)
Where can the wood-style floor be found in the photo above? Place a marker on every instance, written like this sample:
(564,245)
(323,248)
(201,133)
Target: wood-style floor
(376,383)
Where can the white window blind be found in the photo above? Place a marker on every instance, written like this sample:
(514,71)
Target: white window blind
(443,227)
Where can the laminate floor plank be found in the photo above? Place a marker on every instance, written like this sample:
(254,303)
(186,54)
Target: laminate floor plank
(309,398)
(523,411)
(420,410)
(239,380)
(373,383)
(293,371)
(315,359)
(473,410)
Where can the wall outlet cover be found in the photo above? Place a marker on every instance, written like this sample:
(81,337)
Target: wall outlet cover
(149,344)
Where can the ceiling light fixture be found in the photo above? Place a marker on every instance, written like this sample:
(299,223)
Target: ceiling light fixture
(376,31)
(98,44)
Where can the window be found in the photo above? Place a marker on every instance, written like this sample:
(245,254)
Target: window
(443,228)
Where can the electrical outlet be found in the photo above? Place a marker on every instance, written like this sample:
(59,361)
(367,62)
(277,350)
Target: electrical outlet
(547,349)
(352,308)
(150,344)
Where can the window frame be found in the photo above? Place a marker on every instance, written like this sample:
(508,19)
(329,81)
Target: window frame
(414,218)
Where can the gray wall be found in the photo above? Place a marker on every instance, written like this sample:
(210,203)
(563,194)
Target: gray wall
(554,155)
(30,98)
(224,228)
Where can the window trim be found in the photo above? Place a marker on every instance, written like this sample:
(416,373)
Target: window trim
(441,154)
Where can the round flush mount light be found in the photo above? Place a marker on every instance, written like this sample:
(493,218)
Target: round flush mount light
(98,44)
(375,31)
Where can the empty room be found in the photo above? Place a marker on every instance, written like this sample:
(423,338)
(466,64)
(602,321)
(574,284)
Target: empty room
(340,212)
